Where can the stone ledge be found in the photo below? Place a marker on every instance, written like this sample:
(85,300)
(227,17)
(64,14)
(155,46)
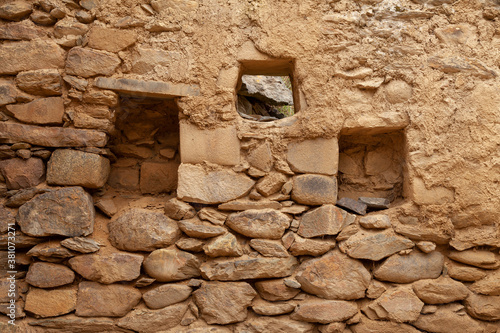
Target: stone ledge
(148,88)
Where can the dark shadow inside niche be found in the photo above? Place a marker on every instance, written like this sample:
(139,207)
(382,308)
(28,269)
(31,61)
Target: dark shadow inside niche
(146,145)
(372,165)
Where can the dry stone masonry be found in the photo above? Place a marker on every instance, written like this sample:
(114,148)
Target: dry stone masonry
(149,190)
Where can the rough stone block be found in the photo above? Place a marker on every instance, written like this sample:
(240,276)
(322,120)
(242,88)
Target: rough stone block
(124,179)
(157,177)
(314,189)
(15,10)
(19,173)
(73,167)
(51,303)
(46,82)
(37,54)
(24,30)
(43,111)
(88,62)
(352,205)
(112,40)
(436,195)
(220,145)
(314,156)
(148,88)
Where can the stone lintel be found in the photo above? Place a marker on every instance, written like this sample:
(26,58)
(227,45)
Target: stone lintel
(155,89)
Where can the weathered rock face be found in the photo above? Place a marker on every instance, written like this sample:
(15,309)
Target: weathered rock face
(142,230)
(273,324)
(440,291)
(324,311)
(399,305)
(269,248)
(303,157)
(325,220)
(275,290)
(478,258)
(107,268)
(46,82)
(77,168)
(47,275)
(224,303)
(81,244)
(244,268)
(111,40)
(88,62)
(334,276)
(314,189)
(462,272)
(409,268)
(97,300)
(312,247)
(179,210)
(199,229)
(67,212)
(446,316)
(37,54)
(271,309)
(150,321)
(372,326)
(166,295)
(223,246)
(51,303)
(167,265)
(211,187)
(259,223)
(43,111)
(483,307)
(490,285)
(270,89)
(19,173)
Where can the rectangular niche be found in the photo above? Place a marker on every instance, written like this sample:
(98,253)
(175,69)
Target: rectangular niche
(146,144)
(372,165)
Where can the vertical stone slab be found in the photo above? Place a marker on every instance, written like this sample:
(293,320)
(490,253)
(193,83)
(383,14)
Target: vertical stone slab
(314,156)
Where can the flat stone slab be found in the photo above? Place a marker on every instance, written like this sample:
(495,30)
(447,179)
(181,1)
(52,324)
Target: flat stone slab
(410,268)
(148,88)
(375,203)
(51,136)
(314,156)
(352,205)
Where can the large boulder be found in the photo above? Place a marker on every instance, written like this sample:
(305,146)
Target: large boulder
(66,212)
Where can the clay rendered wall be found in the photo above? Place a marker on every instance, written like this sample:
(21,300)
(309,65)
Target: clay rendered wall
(135,198)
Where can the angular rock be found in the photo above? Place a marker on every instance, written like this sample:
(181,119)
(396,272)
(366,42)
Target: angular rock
(167,265)
(324,311)
(273,324)
(483,307)
(23,196)
(422,233)
(179,210)
(15,10)
(269,248)
(271,309)
(69,27)
(155,89)
(271,183)
(314,156)
(213,215)
(261,157)
(398,304)
(445,317)
(77,324)
(88,62)
(6,219)
(490,285)
(142,230)
(426,247)
(375,222)
(374,326)
(165,295)
(9,93)
(352,205)
(51,303)
(294,209)
(76,82)
(37,54)
(375,245)
(190,244)
(223,246)
(24,30)
(81,244)
(410,268)
(310,247)
(375,289)
(103,97)
(462,272)
(107,206)
(211,187)
(47,275)
(150,321)
(224,302)
(52,136)
(469,237)
(441,290)
(19,173)
(50,251)
(244,268)
(158,177)
(66,212)
(108,268)
(314,189)
(325,220)
(375,203)
(268,89)
(77,168)
(334,276)
(47,82)
(479,258)
(259,223)
(97,300)
(198,229)
(112,40)
(275,290)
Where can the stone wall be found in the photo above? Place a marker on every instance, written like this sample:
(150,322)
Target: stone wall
(142,202)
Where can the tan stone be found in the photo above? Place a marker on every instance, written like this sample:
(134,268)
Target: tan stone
(271,183)
(179,210)
(211,187)
(140,88)
(77,168)
(398,91)
(47,275)
(223,246)
(314,156)
(447,316)
(157,177)
(374,326)
(325,220)
(112,40)
(310,247)
(19,173)
(462,272)
(46,82)
(259,223)
(220,145)
(375,222)
(483,307)
(436,195)
(398,304)
(199,229)
(264,308)
(261,157)
(314,189)
(167,265)
(24,30)
(124,179)
(441,290)
(375,289)
(37,54)
(273,324)
(142,230)
(245,267)
(81,244)
(324,311)
(82,120)
(190,244)
(479,258)
(68,26)
(51,303)
(224,302)
(88,62)
(97,300)
(165,295)
(213,215)
(410,268)
(76,324)
(334,276)
(103,97)
(490,285)
(244,204)
(426,247)
(108,268)
(269,248)
(50,250)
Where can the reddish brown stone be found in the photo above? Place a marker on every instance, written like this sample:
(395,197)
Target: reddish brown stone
(50,303)
(24,30)
(19,173)
(158,177)
(37,54)
(88,62)
(43,111)
(275,290)
(47,275)
(124,179)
